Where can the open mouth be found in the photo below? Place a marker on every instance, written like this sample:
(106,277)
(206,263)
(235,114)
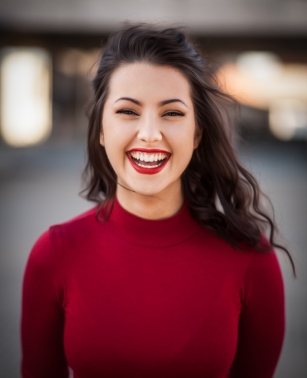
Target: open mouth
(148,161)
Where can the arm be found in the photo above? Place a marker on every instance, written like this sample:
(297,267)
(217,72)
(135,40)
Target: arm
(262,322)
(42,317)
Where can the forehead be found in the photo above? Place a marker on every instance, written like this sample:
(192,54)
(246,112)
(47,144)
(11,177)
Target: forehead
(140,79)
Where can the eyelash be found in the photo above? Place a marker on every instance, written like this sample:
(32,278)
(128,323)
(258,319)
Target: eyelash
(126,111)
(177,114)
(131,112)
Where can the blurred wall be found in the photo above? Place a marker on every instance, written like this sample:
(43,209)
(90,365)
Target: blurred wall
(219,16)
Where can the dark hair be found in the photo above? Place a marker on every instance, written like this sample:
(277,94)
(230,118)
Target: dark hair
(220,193)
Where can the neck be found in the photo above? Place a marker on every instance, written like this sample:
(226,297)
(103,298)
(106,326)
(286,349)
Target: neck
(150,206)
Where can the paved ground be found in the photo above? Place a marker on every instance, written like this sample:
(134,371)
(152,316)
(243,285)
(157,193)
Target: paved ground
(40,186)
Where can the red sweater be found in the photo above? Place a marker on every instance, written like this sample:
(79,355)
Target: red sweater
(138,298)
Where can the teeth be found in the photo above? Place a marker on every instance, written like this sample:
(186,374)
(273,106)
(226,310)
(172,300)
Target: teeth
(148,157)
(146,166)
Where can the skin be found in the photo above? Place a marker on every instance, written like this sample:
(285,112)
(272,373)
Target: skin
(149,124)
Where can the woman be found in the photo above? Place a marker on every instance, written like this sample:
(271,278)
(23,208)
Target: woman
(169,276)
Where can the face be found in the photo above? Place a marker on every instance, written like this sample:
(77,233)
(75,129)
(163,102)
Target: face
(148,129)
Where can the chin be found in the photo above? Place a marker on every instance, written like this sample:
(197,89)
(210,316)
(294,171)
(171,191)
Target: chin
(147,192)
(145,189)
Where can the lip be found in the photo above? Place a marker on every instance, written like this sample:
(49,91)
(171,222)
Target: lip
(148,170)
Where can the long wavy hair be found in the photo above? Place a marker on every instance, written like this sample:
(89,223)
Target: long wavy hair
(220,192)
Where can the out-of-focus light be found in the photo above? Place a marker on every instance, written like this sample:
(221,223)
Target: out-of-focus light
(262,81)
(259,65)
(25,95)
(288,119)
(72,62)
(259,79)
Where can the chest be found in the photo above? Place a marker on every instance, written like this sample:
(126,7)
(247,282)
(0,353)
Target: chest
(154,316)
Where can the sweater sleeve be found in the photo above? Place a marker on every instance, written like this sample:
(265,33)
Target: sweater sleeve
(262,323)
(42,317)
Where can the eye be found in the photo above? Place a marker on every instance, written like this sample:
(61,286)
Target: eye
(126,111)
(173,114)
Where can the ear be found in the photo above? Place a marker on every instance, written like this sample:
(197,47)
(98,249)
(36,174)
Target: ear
(101,138)
(197,137)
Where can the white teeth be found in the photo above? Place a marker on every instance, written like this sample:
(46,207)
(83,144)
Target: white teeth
(146,166)
(148,157)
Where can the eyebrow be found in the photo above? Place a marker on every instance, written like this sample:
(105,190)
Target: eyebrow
(161,103)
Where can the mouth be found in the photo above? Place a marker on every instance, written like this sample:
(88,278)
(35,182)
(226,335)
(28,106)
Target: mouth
(148,161)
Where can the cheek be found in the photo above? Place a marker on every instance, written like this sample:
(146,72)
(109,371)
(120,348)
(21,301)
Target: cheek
(110,134)
(185,140)
(116,130)
(115,144)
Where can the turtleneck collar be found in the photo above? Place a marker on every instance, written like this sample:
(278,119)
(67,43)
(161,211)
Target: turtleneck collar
(157,233)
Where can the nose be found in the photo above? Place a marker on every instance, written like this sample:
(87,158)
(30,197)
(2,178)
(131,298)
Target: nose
(149,130)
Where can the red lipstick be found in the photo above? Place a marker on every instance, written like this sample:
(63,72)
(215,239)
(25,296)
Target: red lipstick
(148,161)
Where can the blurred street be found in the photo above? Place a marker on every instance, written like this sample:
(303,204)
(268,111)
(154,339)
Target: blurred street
(40,187)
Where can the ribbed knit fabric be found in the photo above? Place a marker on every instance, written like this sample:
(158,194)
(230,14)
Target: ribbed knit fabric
(129,297)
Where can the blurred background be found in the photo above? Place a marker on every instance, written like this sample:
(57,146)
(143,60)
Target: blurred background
(48,52)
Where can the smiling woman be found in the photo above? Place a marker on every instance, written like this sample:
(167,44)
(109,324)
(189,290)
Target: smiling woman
(146,130)
(171,274)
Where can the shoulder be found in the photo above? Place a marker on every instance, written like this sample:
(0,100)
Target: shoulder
(251,260)
(74,229)
(55,243)
(257,274)
(251,264)
(264,262)
(263,277)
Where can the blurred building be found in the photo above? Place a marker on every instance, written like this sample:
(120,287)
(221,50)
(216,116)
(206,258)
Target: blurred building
(259,48)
